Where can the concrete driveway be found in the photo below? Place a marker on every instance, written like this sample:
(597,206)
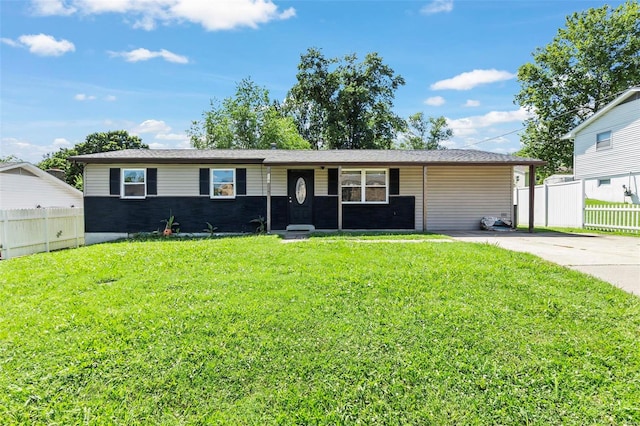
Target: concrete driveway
(611,258)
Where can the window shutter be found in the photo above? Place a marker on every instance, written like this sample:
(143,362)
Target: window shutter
(241,181)
(394,182)
(332,183)
(114,181)
(204,181)
(152,181)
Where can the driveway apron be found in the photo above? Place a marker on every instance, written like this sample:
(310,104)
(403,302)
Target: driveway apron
(613,259)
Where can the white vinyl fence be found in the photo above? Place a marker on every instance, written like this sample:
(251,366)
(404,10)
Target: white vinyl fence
(558,205)
(562,205)
(619,218)
(28,231)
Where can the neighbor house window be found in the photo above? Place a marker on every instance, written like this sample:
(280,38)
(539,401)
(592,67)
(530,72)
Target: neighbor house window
(223,183)
(365,185)
(604,182)
(603,140)
(134,183)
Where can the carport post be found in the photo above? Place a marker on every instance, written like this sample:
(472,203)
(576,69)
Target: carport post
(532,192)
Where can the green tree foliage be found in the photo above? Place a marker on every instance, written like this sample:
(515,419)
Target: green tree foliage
(246,121)
(113,140)
(340,103)
(426,132)
(10,159)
(590,61)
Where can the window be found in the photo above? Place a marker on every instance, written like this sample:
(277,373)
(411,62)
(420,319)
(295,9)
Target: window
(604,182)
(223,183)
(603,140)
(134,183)
(364,186)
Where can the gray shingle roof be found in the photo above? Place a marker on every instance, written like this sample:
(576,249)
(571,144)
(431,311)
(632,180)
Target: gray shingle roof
(309,157)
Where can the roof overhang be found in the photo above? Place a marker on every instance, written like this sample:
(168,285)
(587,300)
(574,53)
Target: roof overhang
(634,91)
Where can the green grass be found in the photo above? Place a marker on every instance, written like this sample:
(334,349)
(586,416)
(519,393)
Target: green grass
(594,202)
(254,331)
(539,229)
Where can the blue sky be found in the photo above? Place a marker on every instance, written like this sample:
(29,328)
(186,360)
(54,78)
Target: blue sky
(73,67)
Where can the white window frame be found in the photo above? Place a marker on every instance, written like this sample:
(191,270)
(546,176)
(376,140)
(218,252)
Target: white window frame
(212,183)
(363,185)
(604,143)
(124,184)
(604,181)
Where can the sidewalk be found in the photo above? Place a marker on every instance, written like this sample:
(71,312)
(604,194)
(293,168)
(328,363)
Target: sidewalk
(613,259)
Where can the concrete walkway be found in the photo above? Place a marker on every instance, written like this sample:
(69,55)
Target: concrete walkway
(611,258)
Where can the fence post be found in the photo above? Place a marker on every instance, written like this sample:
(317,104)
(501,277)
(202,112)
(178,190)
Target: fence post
(583,204)
(46,228)
(4,246)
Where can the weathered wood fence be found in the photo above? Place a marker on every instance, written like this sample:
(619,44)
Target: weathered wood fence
(28,231)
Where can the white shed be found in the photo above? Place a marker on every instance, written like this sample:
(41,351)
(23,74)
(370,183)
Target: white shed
(25,186)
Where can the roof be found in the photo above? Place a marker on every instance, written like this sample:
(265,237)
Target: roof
(308,157)
(628,95)
(5,167)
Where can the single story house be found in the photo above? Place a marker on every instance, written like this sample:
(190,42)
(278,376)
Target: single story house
(131,191)
(25,186)
(606,150)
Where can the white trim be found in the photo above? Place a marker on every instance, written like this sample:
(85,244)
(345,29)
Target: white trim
(211,183)
(363,185)
(123,184)
(42,174)
(601,112)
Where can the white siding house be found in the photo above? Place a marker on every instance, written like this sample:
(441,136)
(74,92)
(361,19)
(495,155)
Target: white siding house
(607,150)
(24,186)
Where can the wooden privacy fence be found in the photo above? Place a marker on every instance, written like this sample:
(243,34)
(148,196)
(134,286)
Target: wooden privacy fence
(28,231)
(619,218)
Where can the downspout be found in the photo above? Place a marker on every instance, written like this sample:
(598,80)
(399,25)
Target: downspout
(339,198)
(532,192)
(268,199)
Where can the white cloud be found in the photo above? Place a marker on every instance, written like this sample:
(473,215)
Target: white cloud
(83,97)
(470,125)
(9,42)
(435,101)
(41,44)
(26,150)
(212,15)
(151,126)
(110,98)
(61,142)
(141,54)
(437,6)
(51,7)
(469,80)
(172,137)
(472,103)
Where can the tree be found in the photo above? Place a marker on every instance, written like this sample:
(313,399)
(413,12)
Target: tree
(94,143)
(426,132)
(249,120)
(590,61)
(345,104)
(10,159)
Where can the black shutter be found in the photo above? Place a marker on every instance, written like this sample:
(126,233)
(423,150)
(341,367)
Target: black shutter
(241,181)
(152,181)
(332,184)
(204,181)
(114,181)
(394,182)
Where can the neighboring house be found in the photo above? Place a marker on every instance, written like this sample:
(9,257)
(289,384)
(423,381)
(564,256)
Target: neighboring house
(131,191)
(607,150)
(25,186)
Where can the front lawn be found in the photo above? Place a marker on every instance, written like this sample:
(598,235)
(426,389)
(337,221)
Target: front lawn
(254,331)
